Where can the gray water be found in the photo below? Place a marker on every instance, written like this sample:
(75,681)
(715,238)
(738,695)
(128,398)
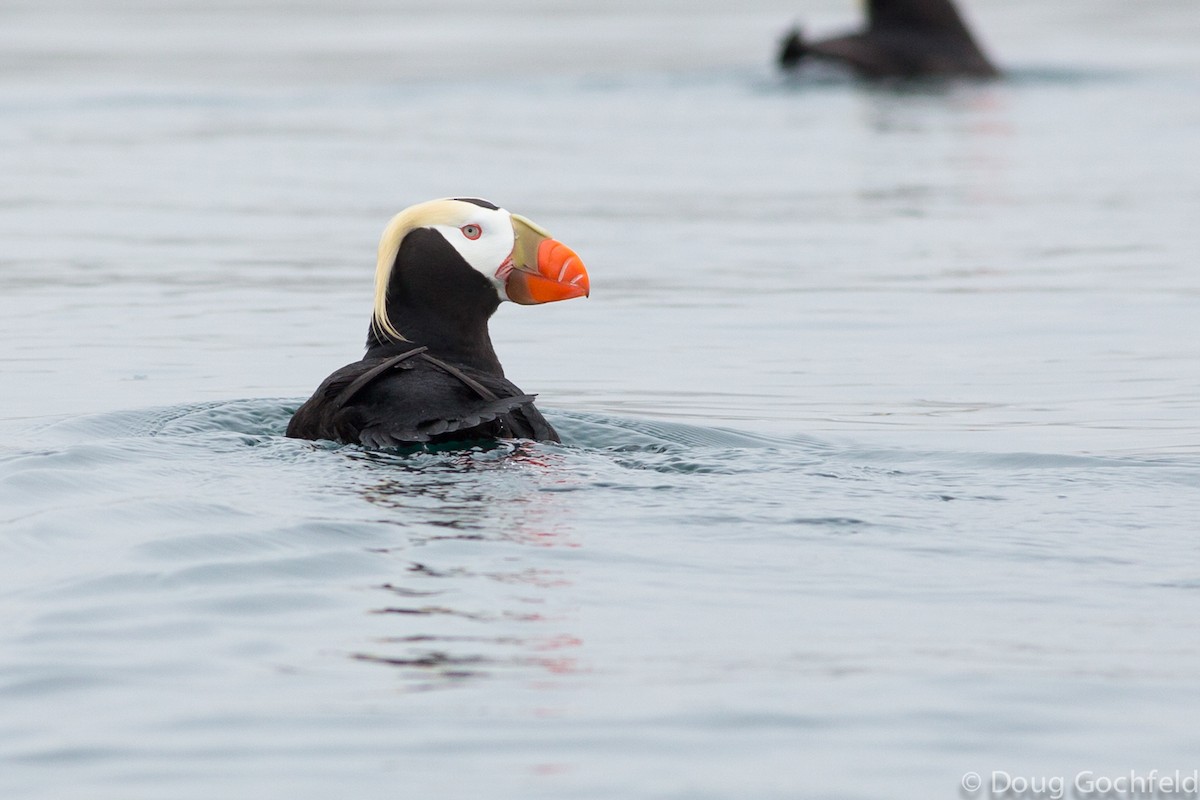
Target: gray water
(881,456)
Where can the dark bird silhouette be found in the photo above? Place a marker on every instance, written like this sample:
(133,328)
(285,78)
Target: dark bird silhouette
(903,39)
(430,374)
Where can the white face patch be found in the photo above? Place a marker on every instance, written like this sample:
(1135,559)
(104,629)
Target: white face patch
(484,238)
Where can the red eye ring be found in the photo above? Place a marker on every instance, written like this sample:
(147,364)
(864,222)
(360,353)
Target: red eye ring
(471,231)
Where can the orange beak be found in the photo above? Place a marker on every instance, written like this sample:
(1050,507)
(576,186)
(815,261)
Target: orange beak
(543,269)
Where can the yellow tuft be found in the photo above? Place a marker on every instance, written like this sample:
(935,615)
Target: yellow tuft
(434,212)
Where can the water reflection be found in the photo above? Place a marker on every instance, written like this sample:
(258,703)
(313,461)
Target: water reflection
(504,492)
(472,605)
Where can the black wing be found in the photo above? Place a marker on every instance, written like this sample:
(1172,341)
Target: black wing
(415,401)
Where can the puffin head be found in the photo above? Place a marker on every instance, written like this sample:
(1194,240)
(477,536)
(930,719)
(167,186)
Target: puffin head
(457,259)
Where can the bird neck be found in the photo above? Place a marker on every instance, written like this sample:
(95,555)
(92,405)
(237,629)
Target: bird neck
(456,340)
(934,17)
(436,300)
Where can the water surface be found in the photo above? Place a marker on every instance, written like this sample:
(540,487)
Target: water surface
(880,457)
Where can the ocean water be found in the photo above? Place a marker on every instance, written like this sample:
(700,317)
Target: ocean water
(881,428)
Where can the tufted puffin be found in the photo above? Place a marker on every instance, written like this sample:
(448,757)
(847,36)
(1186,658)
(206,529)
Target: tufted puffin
(430,375)
(903,39)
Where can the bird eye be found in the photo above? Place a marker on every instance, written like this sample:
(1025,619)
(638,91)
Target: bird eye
(471,231)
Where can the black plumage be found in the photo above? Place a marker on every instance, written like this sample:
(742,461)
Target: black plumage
(903,39)
(439,381)
(415,398)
